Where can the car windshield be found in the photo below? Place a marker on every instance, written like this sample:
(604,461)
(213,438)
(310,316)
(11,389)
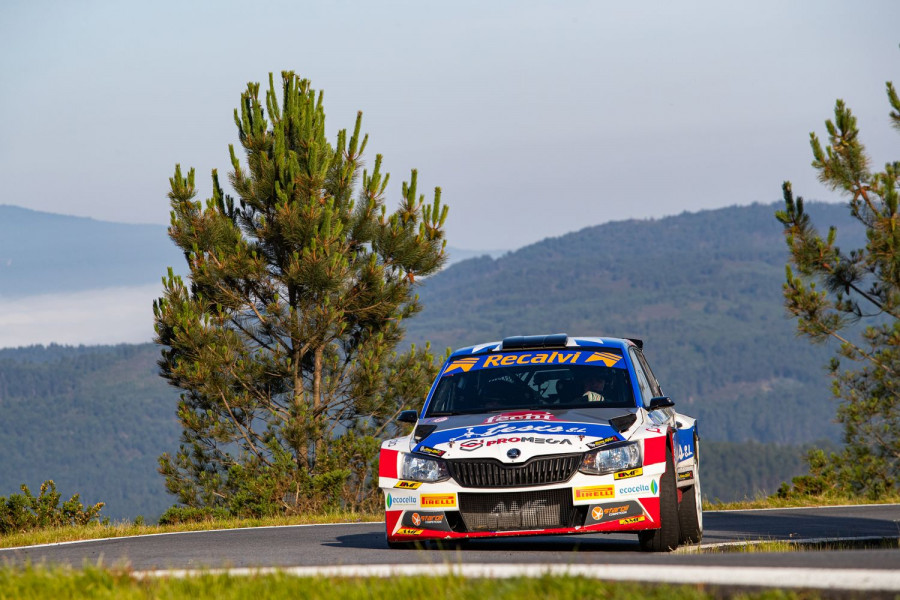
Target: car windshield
(532,380)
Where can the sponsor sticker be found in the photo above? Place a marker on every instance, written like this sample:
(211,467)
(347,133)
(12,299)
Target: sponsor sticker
(475,444)
(408,485)
(462,364)
(685,476)
(607,358)
(532,358)
(638,489)
(393,501)
(438,500)
(431,451)
(603,442)
(409,531)
(506,359)
(523,415)
(596,492)
(630,520)
(684,451)
(598,512)
(423,519)
(503,428)
(608,512)
(628,474)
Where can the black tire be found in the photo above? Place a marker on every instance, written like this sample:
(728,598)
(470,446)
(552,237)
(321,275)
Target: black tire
(690,511)
(666,537)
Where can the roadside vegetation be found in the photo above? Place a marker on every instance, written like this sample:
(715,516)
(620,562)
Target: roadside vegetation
(94,582)
(285,337)
(799,501)
(802,546)
(95,530)
(27,512)
(852,298)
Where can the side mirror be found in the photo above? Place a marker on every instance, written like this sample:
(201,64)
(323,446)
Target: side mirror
(660,402)
(408,416)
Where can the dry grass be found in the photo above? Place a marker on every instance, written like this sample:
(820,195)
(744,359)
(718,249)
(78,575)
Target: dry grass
(97,531)
(802,546)
(810,501)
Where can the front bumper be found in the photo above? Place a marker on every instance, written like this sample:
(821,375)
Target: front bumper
(625,501)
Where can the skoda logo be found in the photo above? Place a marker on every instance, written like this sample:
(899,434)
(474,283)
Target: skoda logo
(514,453)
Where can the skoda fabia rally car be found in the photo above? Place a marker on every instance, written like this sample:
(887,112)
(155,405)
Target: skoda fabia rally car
(545,434)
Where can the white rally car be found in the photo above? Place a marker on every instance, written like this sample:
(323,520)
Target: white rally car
(545,434)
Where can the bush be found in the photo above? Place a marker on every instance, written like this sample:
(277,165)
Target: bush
(24,512)
(190,514)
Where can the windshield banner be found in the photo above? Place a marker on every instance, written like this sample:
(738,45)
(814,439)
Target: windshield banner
(539,357)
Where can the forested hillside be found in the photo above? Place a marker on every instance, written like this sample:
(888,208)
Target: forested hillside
(703,290)
(93,419)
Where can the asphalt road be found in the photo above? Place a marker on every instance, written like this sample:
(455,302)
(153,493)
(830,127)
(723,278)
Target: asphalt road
(363,544)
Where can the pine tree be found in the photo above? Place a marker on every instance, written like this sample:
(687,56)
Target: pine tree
(854,298)
(284,339)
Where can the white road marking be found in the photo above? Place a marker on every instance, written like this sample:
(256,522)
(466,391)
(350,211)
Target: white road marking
(831,579)
(731,510)
(798,541)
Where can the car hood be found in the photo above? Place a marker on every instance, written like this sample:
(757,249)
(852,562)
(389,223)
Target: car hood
(516,436)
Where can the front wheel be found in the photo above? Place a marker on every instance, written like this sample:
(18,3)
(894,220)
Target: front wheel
(666,537)
(690,512)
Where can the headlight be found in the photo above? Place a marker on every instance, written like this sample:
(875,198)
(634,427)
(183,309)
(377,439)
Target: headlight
(420,468)
(608,460)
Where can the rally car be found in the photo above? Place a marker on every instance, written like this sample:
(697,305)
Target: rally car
(545,434)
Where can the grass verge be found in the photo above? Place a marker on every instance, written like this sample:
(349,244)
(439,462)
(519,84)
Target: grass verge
(798,502)
(95,531)
(801,546)
(94,582)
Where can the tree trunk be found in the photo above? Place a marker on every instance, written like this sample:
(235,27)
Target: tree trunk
(317,399)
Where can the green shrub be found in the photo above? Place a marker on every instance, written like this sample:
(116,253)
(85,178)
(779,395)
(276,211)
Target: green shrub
(25,512)
(190,514)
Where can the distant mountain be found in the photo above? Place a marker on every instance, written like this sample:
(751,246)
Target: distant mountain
(455,255)
(43,253)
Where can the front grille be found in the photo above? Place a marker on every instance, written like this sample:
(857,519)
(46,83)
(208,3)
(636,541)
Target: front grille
(490,473)
(513,511)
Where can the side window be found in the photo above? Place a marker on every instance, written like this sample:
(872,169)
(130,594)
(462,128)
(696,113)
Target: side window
(654,384)
(643,383)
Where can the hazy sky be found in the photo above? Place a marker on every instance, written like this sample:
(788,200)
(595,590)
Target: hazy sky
(536,118)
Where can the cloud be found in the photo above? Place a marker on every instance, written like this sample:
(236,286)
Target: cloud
(103,316)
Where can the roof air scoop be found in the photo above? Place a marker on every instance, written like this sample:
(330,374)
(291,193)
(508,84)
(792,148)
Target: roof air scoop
(535,342)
